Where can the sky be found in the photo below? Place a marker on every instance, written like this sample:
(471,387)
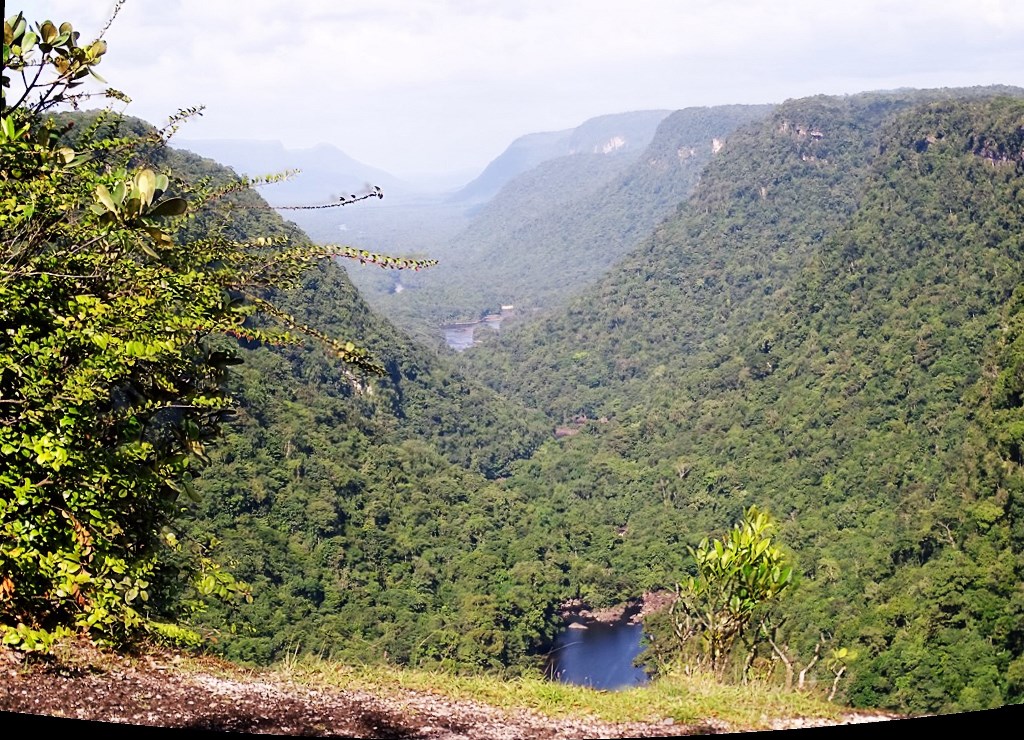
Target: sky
(433,87)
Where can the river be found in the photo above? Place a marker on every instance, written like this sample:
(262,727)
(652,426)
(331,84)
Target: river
(599,655)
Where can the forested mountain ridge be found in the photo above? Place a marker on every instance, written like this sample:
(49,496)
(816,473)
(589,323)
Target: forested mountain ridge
(814,333)
(301,490)
(615,133)
(762,210)
(558,226)
(829,328)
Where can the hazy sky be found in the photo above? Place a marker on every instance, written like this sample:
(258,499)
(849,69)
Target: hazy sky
(432,86)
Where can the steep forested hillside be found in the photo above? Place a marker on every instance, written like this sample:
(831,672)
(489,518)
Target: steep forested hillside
(604,134)
(830,328)
(557,227)
(357,507)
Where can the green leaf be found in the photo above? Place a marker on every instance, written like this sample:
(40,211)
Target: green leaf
(190,489)
(104,197)
(169,207)
(145,184)
(162,240)
(48,32)
(18,28)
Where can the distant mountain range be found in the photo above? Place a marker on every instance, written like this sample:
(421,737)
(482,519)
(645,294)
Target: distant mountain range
(326,172)
(621,132)
(537,172)
(556,227)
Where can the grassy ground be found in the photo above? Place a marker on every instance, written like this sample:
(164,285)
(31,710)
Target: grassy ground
(685,699)
(309,695)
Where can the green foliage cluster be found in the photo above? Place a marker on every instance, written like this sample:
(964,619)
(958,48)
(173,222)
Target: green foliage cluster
(114,287)
(738,578)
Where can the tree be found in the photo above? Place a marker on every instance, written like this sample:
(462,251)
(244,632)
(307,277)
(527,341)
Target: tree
(739,577)
(115,299)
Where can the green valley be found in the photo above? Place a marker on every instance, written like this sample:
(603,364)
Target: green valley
(767,367)
(821,331)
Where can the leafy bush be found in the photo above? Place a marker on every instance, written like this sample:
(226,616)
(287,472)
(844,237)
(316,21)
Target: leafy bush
(739,577)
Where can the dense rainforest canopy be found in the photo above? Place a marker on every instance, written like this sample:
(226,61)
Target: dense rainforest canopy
(830,328)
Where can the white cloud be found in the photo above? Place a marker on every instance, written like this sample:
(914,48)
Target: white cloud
(416,85)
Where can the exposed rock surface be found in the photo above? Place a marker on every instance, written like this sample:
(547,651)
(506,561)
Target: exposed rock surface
(577,613)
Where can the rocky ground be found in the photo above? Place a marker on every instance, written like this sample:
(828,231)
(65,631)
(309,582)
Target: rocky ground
(159,690)
(576,612)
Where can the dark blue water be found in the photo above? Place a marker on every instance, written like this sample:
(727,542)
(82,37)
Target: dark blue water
(600,656)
